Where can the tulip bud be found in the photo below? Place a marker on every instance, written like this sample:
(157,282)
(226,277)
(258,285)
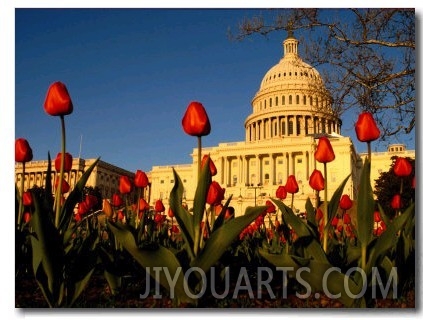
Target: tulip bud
(324,151)
(68,162)
(125,185)
(316,181)
(27,198)
(281,192)
(58,101)
(291,185)
(141,179)
(143,205)
(347,218)
(376,216)
(107,208)
(366,128)
(345,203)
(195,121)
(65,185)
(116,200)
(159,207)
(396,202)
(170,213)
(26,217)
(212,167)
(402,167)
(270,207)
(215,194)
(23,152)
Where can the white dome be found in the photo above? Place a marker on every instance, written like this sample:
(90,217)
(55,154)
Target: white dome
(292,101)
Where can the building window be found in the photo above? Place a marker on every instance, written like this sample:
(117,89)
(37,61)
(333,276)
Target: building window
(266,178)
(290,99)
(234,180)
(304,100)
(297,98)
(266,162)
(161,181)
(270,102)
(280,178)
(280,161)
(283,128)
(311,100)
(253,179)
(283,100)
(234,164)
(299,160)
(276,99)
(253,163)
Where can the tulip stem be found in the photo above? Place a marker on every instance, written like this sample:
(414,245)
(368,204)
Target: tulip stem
(369,151)
(21,195)
(199,157)
(62,166)
(325,210)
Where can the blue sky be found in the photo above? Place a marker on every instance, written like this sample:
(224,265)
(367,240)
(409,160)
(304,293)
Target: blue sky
(131,74)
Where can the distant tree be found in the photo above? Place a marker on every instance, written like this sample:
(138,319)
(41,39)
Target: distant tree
(388,185)
(371,50)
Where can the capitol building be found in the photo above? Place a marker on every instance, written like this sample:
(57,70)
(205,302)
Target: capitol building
(290,111)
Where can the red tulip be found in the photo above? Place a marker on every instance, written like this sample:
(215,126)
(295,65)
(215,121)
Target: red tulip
(141,179)
(291,185)
(215,194)
(27,198)
(335,221)
(65,185)
(120,215)
(316,181)
(380,229)
(270,207)
(116,200)
(143,205)
(170,213)
(68,162)
(58,101)
(366,128)
(402,167)
(212,167)
(107,208)
(83,208)
(324,151)
(347,218)
(396,202)
(195,121)
(174,229)
(91,200)
(125,185)
(281,192)
(159,207)
(159,218)
(345,203)
(23,152)
(377,217)
(26,217)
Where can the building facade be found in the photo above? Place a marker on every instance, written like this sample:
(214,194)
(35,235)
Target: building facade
(104,176)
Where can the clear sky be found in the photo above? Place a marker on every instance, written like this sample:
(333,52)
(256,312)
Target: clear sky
(131,74)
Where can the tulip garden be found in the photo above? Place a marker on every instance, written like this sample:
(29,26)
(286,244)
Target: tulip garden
(75,249)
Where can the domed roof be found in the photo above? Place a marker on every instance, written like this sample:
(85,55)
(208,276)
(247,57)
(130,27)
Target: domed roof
(291,69)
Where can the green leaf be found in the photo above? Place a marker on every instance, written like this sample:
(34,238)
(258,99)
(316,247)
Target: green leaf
(365,207)
(311,212)
(221,239)
(47,252)
(334,201)
(296,223)
(182,216)
(320,275)
(161,257)
(74,196)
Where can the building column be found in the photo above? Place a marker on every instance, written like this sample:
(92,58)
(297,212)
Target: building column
(273,169)
(258,172)
(287,165)
(307,166)
(294,122)
(292,169)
